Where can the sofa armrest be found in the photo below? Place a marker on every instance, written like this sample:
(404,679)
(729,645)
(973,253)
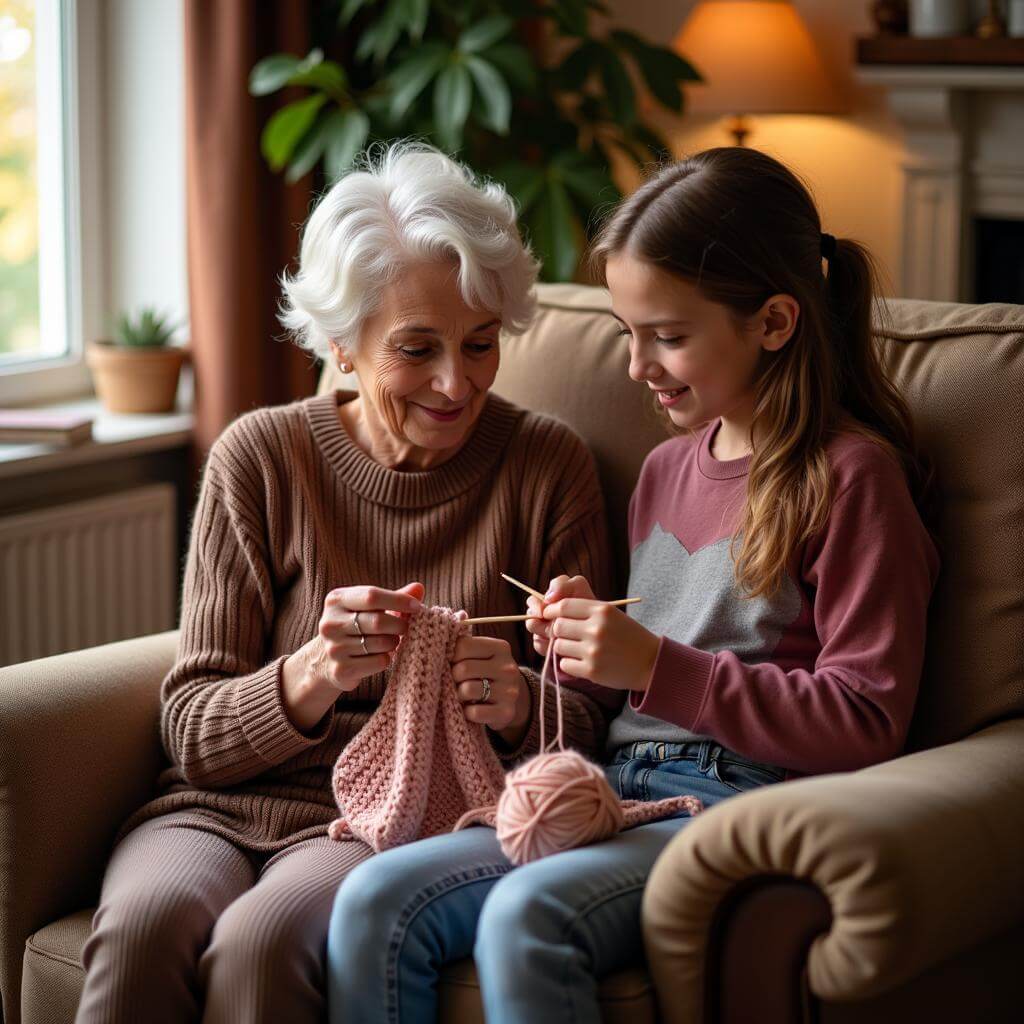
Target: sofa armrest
(79,751)
(919,858)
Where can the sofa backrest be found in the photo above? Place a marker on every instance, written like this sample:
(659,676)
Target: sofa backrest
(962,370)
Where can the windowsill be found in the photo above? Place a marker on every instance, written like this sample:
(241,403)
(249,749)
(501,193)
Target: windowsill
(114,435)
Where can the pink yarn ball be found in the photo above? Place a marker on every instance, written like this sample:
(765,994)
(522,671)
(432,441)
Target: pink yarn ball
(555,802)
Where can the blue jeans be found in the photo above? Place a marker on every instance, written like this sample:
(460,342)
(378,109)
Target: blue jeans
(543,934)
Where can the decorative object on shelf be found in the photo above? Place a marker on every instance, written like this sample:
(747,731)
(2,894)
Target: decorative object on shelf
(137,370)
(991,25)
(757,57)
(890,17)
(533,93)
(935,19)
(1015,18)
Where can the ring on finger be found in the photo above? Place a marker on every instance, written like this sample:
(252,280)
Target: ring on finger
(486,697)
(359,632)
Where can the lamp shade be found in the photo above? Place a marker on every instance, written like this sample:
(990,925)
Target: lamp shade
(756,57)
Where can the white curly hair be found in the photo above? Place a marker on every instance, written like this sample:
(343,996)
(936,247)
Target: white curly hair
(405,203)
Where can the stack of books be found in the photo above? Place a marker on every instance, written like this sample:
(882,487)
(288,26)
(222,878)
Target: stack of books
(35,426)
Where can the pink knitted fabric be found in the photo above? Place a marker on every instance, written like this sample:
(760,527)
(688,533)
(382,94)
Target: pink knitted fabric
(418,768)
(417,765)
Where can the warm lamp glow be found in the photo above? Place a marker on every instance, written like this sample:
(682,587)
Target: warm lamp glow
(756,57)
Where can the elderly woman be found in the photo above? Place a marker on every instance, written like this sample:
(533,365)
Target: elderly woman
(321,526)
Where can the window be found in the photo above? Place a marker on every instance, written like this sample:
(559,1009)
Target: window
(41,181)
(19,223)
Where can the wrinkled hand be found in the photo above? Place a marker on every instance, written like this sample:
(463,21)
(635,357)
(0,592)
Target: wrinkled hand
(596,641)
(383,618)
(560,587)
(482,657)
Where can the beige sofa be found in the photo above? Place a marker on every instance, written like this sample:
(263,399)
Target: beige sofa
(893,893)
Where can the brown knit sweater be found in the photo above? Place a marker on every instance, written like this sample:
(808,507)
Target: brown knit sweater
(290,508)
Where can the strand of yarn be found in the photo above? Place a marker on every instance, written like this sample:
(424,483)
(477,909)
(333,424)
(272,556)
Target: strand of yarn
(558,800)
(553,663)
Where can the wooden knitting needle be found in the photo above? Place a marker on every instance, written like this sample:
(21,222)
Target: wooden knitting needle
(541,597)
(523,618)
(522,586)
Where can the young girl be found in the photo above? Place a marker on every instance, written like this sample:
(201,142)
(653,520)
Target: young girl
(785,574)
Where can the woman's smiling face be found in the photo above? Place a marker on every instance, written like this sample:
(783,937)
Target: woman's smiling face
(425,363)
(690,351)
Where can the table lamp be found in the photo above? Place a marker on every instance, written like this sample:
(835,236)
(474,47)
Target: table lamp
(756,57)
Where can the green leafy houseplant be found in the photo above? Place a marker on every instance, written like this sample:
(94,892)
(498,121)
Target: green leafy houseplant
(524,91)
(137,369)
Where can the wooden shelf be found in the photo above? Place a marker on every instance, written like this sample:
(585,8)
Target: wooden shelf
(956,50)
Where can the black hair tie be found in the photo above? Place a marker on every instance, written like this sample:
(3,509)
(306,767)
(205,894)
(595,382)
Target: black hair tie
(828,245)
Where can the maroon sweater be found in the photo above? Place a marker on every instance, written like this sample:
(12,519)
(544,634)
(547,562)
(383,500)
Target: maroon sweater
(820,677)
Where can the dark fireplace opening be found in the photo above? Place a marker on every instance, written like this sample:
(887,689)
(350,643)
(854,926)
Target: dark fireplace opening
(998,260)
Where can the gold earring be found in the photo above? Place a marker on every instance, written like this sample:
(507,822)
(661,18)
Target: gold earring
(345,367)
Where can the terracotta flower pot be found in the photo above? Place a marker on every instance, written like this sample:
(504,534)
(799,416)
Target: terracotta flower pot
(135,379)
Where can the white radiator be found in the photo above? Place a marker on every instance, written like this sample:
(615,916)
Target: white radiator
(87,573)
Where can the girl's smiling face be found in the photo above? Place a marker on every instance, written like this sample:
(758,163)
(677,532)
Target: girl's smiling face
(689,351)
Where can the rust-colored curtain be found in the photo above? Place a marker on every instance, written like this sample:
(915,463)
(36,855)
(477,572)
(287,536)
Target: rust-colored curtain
(243,220)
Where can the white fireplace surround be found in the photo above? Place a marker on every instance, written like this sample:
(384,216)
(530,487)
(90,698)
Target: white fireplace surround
(964,131)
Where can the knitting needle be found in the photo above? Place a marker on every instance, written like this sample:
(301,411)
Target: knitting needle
(523,618)
(541,597)
(522,586)
(499,618)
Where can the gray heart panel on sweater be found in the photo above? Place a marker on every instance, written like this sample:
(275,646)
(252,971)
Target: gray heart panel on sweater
(692,598)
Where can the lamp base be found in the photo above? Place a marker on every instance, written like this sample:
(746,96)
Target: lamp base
(739,128)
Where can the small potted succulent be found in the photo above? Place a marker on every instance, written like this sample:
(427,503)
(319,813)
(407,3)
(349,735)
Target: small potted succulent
(137,369)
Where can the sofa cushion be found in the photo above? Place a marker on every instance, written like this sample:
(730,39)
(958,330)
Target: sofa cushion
(961,368)
(53,976)
(626,997)
(52,973)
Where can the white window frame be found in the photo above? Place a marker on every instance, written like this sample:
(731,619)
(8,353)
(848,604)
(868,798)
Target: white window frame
(72,245)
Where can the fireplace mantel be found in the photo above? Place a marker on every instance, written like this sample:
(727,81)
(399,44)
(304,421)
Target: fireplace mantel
(964,136)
